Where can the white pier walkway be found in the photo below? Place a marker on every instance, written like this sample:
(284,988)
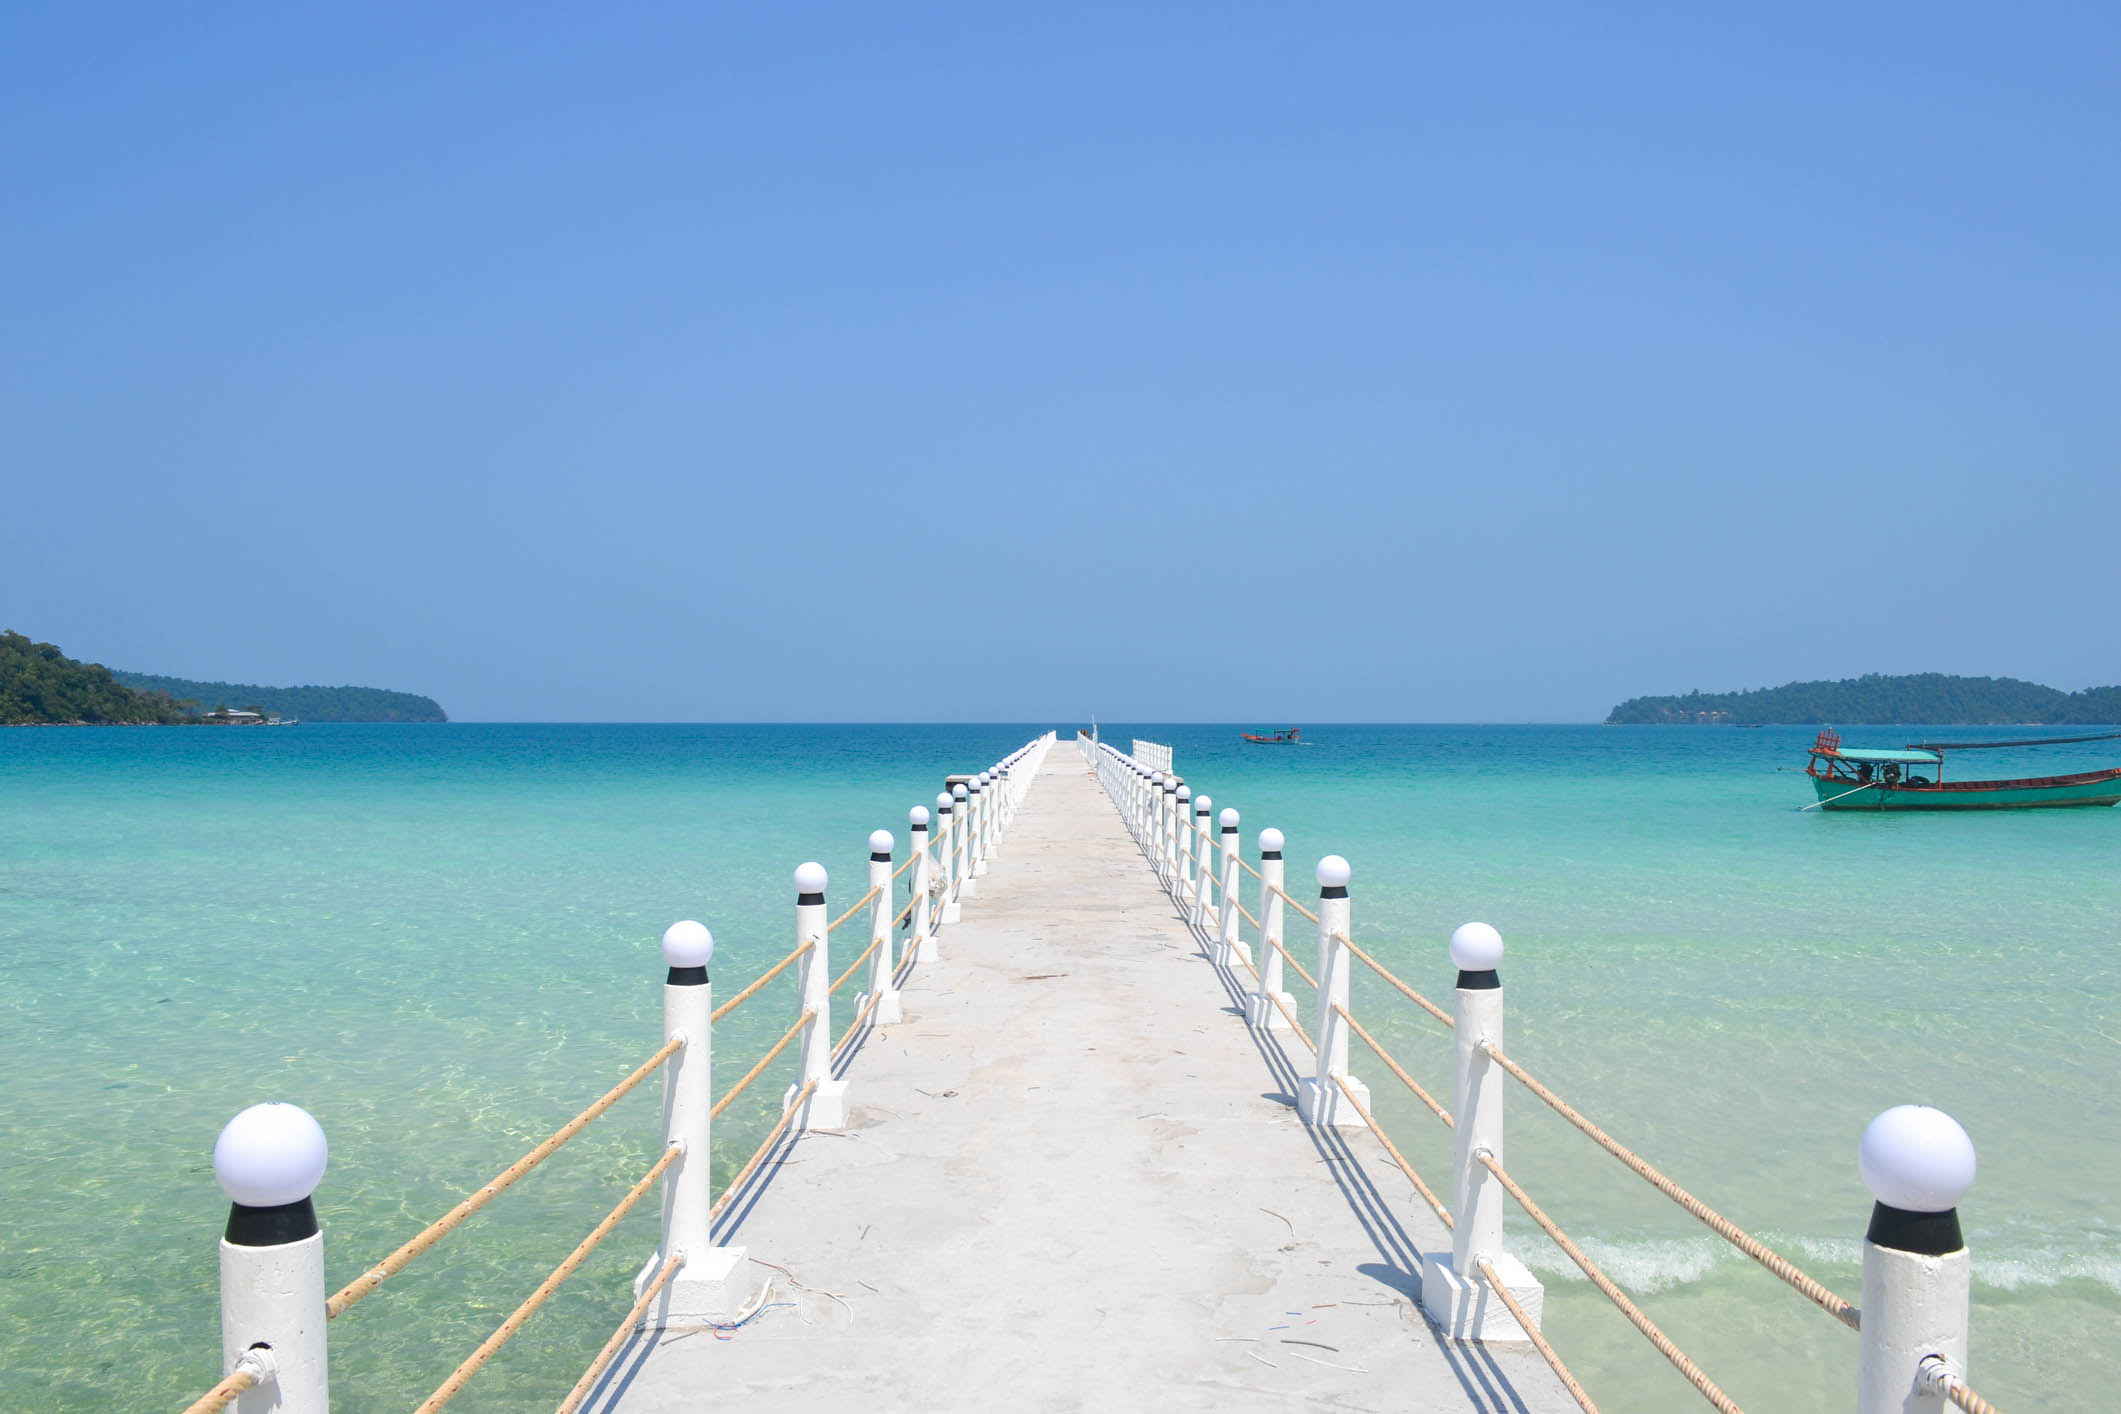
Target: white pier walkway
(1073,1179)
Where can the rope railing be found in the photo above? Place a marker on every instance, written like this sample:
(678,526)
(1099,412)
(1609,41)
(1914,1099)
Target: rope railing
(1295,905)
(729,1096)
(218,1398)
(611,1348)
(1363,1110)
(1539,1341)
(1290,958)
(1381,970)
(833,926)
(854,1027)
(1693,1373)
(773,1136)
(1935,1375)
(1723,1227)
(904,914)
(758,982)
(435,1231)
(855,966)
(1397,1069)
(451,1387)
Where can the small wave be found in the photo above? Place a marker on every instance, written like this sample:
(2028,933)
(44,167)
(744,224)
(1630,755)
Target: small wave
(1650,1265)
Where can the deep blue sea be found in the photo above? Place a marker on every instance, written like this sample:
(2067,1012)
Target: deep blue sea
(442,941)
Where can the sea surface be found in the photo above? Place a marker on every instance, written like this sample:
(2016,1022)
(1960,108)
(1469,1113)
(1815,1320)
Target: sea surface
(442,941)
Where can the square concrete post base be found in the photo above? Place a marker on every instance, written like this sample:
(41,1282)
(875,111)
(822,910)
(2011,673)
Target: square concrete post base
(1262,1015)
(710,1288)
(952,913)
(968,886)
(1327,1105)
(1232,955)
(825,1109)
(924,950)
(1467,1309)
(887,1011)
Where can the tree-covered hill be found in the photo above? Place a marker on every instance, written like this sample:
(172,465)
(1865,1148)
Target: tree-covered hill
(310,704)
(1929,699)
(39,685)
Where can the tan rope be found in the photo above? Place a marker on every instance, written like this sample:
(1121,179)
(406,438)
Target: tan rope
(715,1111)
(435,1231)
(217,1398)
(1290,1016)
(1295,905)
(905,913)
(1386,1056)
(1290,958)
(773,1136)
(911,860)
(1539,1342)
(761,980)
(1249,869)
(451,1387)
(1604,1283)
(1411,995)
(855,1026)
(854,966)
(582,1386)
(1723,1227)
(833,926)
(1393,1149)
(1960,1393)
(1248,917)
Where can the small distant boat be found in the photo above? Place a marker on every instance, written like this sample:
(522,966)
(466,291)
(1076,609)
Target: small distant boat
(1861,779)
(1287,736)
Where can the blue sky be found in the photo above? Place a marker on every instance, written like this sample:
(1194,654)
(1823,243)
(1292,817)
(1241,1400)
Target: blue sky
(1221,362)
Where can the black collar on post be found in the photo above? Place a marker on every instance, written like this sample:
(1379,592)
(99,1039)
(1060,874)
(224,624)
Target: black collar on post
(270,1227)
(1924,1234)
(1486,981)
(686,977)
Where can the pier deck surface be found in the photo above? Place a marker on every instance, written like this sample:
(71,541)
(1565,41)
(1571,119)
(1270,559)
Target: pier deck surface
(1073,1179)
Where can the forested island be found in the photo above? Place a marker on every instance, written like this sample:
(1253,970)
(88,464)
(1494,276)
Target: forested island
(1923,699)
(309,704)
(41,686)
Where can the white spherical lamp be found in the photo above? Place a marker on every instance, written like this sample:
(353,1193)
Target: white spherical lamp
(1476,947)
(1228,819)
(688,944)
(1333,872)
(270,1155)
(880,842)
(917,817)
(1917,1159)
(810,878)
(1270,841)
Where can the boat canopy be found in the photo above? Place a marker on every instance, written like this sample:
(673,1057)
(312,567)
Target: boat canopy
(1912,758)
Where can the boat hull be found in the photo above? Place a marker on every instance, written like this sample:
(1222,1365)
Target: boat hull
(2089,788)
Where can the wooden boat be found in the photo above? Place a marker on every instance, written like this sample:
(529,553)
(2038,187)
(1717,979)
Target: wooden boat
(1859,779)
(1287,736)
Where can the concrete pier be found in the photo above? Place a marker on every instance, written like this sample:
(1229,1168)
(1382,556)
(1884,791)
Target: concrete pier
(1073,1179)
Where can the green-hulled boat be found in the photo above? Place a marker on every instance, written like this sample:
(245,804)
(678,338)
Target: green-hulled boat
(1860,779)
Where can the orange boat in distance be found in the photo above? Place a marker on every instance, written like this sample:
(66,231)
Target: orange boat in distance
(1287,736)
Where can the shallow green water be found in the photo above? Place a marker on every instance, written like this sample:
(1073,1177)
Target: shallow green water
(442,941)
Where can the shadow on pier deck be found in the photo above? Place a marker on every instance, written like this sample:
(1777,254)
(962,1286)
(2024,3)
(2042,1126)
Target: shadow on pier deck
(1073,1178)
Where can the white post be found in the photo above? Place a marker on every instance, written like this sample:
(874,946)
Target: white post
(1917,1276)
(714,1282)
(1182,848)
(1260,1011)
(921,944)
(269,1160)
(984,785)
(1453,1290)
(1319,1098)
(1203,845)
(1231,951)
(827,1106)
(881,913)
(946,856)
(966,796)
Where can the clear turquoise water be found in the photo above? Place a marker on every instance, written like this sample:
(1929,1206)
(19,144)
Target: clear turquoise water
(442,941)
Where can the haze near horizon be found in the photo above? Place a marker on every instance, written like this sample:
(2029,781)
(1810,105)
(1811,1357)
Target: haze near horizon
(1371,364)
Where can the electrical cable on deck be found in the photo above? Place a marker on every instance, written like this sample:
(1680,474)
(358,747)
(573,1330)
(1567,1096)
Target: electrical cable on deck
(451,1387)
(1539,1341)
(1694,1373)
(715,1112)
(435,1231)
(1723,1227)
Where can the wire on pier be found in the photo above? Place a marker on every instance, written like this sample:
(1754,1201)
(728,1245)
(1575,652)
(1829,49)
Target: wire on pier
(454,1385)
(1694,1373)
(435,1231)
(1539,1341)
(1723,1227)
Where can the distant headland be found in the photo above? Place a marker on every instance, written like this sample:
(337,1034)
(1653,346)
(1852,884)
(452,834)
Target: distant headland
(1917,699)
(41,686)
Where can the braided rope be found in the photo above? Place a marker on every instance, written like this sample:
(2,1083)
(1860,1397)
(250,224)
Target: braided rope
(451,1387)
(857,908)
(1386,1056)
(1294,904)
(1539,1342)
(1723,1227)
(582,1386)
(1290,958)
(854,966)
(435,1231)
(1411,995)
(1694,1375)
(217,1398)
(761,980)
(715,1111)
(773,1137)
(1393,1149)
